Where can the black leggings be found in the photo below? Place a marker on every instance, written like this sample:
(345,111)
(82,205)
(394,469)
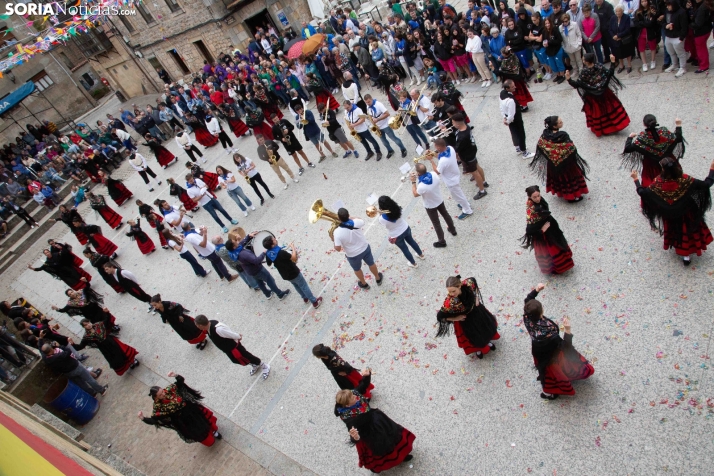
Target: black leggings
(223,137)
(254,181)
(190,152)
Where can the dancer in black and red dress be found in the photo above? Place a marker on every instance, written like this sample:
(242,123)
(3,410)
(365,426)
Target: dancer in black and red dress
(67,216)
(558,163)
(176,190)
(238,127)
(346,376)
(99,205)
(154,220)
(163,156)
(644,151)
(209,178)
(511,69)
(556,359)
(66,273)
(596,85)
(116,189)
(97,261)
(176,316)
(255,119)
(475,327)
(381,443)
(675,205)
(62,254)
(544,236)
(103,245)
(145,244)
(120,356)
(177,407)
(261,99)
(203,137)
(90,305)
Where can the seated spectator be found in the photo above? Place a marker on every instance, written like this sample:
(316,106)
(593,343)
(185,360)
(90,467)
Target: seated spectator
(49,174)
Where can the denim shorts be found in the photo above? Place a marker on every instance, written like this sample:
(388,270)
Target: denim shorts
(366,256)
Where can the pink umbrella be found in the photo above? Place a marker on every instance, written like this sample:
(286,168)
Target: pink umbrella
(295,50)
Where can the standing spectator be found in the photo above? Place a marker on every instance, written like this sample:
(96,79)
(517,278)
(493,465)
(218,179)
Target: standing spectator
(198,191)
(623,40)
(605,12)
(572,42)
(701,29)
(253,265)
(590,29)
(60,360)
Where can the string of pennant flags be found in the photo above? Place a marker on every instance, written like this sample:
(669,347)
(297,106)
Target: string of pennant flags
(59,32)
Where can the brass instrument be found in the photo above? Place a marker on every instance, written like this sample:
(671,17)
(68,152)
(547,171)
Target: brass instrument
(247,179)
(429,154)
(438,125)
(271,156)
(325,122)
(444,133)
(353,132)
(373,211)
(303,120)
(396,121)
(373,128)
(318,211)
(286,135)
(415,104)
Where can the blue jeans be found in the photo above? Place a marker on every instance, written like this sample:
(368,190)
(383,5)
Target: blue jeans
(595,47)
(264,278)
(389,132)
(404,239)
(282,95)
(302,288)
(556,62)
(211,208)
(433,81)
(667,58)
(248,279)
(154,131)
(197,268)
(236,194)
(129,144)
(368,138)
(416,133)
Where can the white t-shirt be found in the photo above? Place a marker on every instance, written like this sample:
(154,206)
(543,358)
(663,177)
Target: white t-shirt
(353,116)
(376,110)
(246,165)
(430,194)
(352,242)
(229,185)
(195,239)
(449,168)
(172,217)
(199,192)
(184,248)
(426,103)
(395,228)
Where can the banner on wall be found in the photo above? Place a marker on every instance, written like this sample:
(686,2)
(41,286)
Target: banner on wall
(9,101)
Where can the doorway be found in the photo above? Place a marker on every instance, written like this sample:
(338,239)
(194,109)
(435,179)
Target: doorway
(201,47)
(261,19)
(179,61)
(155,63)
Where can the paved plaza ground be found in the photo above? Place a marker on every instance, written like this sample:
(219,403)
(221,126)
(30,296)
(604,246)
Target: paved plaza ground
(638,315)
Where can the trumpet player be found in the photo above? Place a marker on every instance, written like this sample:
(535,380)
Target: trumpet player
(466,149)
(424,109)
(380,116)
(312,131)
(335,131)
(247,168)
(283,131)
(448,169)
(412,123)
(357,124)
(443,126)
(268,152)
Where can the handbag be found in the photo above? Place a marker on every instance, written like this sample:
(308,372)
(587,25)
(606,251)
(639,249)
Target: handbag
(627,39)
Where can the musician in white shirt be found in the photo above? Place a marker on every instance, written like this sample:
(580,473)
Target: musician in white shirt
(380,116)
(448,170)
(358,124)
(424,110)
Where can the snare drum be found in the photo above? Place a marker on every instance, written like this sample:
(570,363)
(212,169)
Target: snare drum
(256,243)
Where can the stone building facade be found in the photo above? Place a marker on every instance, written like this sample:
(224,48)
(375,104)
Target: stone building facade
(64,75)
(179,35)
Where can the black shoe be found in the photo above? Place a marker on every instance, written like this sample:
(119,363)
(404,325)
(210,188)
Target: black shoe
(700,71)
(217,435)
(379,157)
(408,458)
(479,355)
(159,182)
(453,232)
(369,156)
(98,371)
(480,195)
(546,397)
(485,184)
(524,109)
(363,286)
(691,60)
(404,153)
(379,280)
(390,154)
(135,364)
(492,345)
(262,201)
(665,66)
(687,261)
(271,196)
(439,244)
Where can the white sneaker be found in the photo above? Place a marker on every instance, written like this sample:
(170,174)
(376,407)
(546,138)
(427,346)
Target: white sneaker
(483,84)
(528,155)
(252,207)
(245,213)
(519,151)
(228,151)
(670,69)
(680,72)
(652,65)
(457,82)
(203,159)
(266,370)
(547,77)
(711,45)
(411,82)
(421,257)
(418,82)
(488,84)
(286,186)
(644,67)
(415,265)
(295,180)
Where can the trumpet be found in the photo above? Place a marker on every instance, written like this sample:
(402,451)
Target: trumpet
(325,122)
(444,133)
(429,154)
(373,211)
(438,125)
(415,104)
(247,179)
(373,128)
(429,114)
(271,156)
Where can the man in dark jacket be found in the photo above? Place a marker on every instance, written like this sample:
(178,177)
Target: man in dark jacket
(675,30)
(605,11)
(60,360)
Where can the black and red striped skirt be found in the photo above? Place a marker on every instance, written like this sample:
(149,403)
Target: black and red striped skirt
(81,237)
(263,129)
(551,258)
(211,419)
(567,365)
(211,180)
(693,242)
(130,354)
(205,138)
(322,96)
(147,246)
(79,285)
(466,344)
(604,114)
(568,183)
(381,463)
(112,218)
(187,201)
(238,127)
(272,109)
(650,170)
(103,245)
(165,157)
(522,95)
(125,194)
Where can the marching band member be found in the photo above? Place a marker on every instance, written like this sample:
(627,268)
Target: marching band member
(412,122)
(312,130)
(448,169)
(268,152)
(380,116)
(357,124)
(335,131)
(443,119)
(423,109)
(283,131)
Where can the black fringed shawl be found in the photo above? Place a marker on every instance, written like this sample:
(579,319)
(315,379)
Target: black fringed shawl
(653,144)
(596,80)
(457,306)
(537,215)
(556,149)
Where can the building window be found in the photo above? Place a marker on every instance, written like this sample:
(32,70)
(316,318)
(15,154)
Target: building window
(42,80)
(6,38)
(127,24)
(68,62)
(173,6)
(145,13)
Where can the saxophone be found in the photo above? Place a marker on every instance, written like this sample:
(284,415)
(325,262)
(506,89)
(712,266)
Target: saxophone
(286,135)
